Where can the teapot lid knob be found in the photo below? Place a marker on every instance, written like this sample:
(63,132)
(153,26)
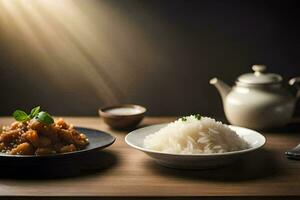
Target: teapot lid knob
(259,76)
(258,69)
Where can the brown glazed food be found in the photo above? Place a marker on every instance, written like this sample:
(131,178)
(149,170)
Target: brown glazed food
(36,138)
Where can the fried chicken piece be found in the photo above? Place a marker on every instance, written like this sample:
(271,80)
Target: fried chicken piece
(44,151)
(23,149)
(9,136)
(32,137)
(68,148)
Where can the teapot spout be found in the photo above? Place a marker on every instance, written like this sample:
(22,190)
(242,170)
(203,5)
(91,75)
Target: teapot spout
(222,87)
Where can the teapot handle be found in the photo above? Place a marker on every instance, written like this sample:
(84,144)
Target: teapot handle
(296,83)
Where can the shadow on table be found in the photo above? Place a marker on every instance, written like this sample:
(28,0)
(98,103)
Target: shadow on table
(257,165)
(293,127)
(91,163)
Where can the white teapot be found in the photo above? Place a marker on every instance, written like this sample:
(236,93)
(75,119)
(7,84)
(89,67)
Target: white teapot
(259,100)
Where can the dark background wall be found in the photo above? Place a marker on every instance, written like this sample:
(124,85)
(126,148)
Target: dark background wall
(160,54)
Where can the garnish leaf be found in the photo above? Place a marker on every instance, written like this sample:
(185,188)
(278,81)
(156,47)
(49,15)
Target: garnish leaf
(183,119)
(198,116)
(44,117)
(34,111)
(21,116)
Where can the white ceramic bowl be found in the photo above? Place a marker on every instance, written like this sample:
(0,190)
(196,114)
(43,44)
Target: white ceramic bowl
(194,161)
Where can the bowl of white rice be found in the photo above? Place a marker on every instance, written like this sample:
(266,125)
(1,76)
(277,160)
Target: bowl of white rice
(195,142)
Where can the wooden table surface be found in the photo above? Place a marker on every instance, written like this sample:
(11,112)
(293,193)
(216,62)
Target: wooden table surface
(120,171)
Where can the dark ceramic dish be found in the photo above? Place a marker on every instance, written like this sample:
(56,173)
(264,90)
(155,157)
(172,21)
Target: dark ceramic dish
(122,122)
(97,140)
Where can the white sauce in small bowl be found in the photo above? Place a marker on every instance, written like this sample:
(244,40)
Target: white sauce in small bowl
(124,111)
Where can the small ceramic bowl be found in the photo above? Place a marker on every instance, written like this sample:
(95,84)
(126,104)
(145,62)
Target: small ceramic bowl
(122,117)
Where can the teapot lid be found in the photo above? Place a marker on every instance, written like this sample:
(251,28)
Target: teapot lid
(259,76)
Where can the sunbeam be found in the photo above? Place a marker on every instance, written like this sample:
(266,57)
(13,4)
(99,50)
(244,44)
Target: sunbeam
(54,31)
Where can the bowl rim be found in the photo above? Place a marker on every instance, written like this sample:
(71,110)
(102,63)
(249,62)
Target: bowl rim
(198,154)
(103,113)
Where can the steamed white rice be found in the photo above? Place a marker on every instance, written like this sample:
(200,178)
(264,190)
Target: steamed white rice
(194,134)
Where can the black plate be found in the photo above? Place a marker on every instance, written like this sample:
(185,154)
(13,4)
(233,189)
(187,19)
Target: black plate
(97,140)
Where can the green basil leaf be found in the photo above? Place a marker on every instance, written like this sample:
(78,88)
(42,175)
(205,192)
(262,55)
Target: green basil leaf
(35,111)
(21,116)
(198,116)
(44,117)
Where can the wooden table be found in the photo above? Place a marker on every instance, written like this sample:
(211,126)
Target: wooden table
(120,171)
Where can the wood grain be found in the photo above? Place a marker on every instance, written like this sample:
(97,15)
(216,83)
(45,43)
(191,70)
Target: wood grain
(120,171)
